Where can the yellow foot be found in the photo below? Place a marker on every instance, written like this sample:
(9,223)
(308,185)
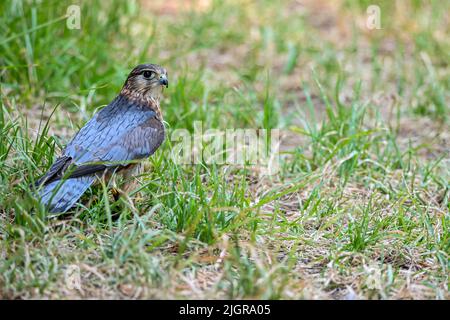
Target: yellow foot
(116,193)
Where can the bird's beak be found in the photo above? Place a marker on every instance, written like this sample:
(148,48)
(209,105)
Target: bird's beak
(163,80)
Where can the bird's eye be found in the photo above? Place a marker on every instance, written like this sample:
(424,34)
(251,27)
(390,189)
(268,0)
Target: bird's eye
(147,74)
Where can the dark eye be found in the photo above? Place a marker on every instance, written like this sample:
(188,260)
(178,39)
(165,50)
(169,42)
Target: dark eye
(147,74)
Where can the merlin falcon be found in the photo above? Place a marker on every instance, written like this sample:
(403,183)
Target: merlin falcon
(127,130)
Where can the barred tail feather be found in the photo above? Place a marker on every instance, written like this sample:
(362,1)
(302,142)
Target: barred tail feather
(60,196)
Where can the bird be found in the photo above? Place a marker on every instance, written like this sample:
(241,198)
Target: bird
(114,141)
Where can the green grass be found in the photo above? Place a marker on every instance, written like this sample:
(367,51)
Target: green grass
(359,209)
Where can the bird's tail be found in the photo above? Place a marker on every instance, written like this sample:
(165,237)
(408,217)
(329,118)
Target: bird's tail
(59,196)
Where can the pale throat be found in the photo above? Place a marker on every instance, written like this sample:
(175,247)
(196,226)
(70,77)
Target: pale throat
(147,96)
(155,92)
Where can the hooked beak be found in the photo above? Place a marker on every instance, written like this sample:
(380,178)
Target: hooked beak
(163,80)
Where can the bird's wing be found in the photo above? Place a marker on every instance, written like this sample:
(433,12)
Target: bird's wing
(55,170)
(134,144)
(119,133)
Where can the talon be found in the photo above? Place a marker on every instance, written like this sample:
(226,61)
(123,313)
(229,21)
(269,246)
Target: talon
(116,194)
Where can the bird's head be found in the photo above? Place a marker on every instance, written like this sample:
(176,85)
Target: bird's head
(146,81)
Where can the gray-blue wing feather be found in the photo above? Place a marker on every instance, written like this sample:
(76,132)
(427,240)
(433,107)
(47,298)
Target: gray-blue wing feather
(106,129)
(121,132)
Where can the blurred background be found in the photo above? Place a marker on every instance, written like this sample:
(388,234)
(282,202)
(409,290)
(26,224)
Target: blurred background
(360,208)
(216,48)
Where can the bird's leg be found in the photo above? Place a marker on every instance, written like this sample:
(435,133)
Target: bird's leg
(116,193)
(114,189)
(128,181)
(131,178)
(129,186)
